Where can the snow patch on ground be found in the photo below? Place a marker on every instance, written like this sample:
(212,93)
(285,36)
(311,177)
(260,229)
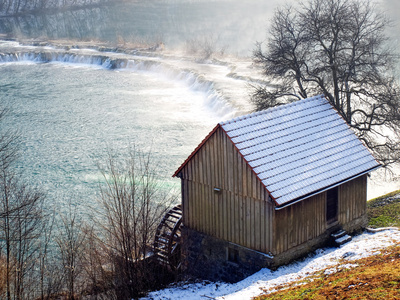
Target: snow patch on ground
(331,259)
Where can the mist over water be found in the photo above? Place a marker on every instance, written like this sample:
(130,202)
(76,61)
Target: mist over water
(233,25)
(71,110)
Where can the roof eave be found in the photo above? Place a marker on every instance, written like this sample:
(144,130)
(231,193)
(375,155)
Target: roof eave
(302,198)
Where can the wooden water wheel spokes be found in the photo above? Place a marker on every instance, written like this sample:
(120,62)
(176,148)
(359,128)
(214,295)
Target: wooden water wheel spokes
(167,242)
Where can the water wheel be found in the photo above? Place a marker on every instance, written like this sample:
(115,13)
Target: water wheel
(167,242)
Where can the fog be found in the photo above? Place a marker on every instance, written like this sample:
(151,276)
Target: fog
(232,25)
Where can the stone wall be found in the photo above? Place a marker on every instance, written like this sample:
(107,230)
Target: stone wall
(214,259)
(210,258)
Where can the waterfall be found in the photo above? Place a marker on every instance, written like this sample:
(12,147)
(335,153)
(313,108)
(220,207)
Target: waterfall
(213,99)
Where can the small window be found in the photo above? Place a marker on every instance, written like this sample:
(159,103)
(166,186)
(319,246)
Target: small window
(217,190)
(233,255)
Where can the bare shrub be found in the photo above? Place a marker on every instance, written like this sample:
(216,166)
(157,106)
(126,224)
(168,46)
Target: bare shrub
(133,201)
(23,222)
(71,244)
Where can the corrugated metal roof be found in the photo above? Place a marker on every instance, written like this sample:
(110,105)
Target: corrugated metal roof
(299,148)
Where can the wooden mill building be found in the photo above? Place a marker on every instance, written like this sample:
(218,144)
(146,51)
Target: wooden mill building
(268,187)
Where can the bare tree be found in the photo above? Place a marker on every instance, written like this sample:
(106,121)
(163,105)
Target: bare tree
(22,223)
(9,144)
(205,47)
(71,242)
(97,267)
(26,229)
(337,48)
(49,280)
(133,201)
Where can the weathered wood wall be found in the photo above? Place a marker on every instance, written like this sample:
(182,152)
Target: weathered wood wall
(306,220)
(300,222)
(352,200)
(241,213)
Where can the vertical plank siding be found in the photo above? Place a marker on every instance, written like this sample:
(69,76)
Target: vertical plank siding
(303,221)
(241,212)
(352,199)
(299,223)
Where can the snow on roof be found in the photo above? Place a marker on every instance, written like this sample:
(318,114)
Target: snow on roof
(299,148)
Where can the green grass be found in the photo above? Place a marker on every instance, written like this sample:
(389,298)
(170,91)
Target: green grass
(380,198)
(384,211)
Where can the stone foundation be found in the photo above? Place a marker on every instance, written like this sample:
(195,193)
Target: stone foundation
(210,258)
(214,259)
(356,225)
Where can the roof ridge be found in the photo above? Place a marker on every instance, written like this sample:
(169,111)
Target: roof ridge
(278,124)
(271,109)
(281,143)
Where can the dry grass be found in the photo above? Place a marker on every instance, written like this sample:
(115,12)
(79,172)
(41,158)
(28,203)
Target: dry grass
(374,277)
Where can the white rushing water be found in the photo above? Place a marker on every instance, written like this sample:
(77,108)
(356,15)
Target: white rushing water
(69,105)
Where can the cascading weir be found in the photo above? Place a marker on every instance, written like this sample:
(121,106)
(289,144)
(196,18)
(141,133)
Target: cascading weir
(167,241)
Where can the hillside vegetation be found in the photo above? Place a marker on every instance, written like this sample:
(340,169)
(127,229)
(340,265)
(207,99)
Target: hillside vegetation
(374,277)
(384,211)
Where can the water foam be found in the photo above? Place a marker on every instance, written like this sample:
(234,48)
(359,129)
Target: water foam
(212,98)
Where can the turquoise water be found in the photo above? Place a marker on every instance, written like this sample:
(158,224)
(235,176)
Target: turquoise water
(68,116)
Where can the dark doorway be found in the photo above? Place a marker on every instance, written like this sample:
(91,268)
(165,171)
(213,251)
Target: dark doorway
(332,205)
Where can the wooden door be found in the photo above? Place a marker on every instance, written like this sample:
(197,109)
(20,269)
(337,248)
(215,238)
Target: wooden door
(332,205)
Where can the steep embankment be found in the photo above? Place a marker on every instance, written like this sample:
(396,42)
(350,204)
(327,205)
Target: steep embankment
(384,211)
(373,277)
(358,268)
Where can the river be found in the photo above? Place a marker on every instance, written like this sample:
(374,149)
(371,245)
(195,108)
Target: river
(70,104)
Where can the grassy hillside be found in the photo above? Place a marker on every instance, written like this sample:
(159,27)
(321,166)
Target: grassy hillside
(374,277)
(384,211)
